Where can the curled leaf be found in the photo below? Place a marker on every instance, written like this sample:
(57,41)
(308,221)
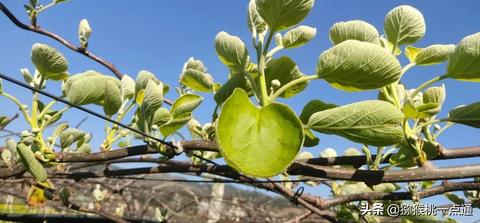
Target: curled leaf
(355,29)
(49,62)
(232,51)
(464,62)
(353,66)
(298,36)
(283,14)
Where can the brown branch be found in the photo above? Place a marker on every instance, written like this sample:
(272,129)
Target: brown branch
(61,40)
(191,145)
(301,217)
(372,196)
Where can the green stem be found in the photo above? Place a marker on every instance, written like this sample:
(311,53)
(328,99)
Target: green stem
(428,83)
(46,7)
(425,124)
(448,125)
(407,67)
(378,158)
(253,83)
(274,50)
(19,105)
(368,155)
(261,70)
(45,110)
(290,84)
(47,123)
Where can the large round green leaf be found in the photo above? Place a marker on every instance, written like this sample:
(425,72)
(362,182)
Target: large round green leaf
(355,29)
(404,25)
(464,63)
(283,14)
(354,65)
(259,142)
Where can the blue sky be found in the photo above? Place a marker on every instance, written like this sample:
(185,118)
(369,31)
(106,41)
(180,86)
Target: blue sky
(160,36)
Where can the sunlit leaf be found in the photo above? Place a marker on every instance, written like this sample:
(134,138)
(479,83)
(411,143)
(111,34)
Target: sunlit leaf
(153,99)
(466,115)
(49,62)
(464,63)
(284,70)
(31,163)
(232,51)
(356,30)
(185,104)
(371,122)
(243,138)
(253,18)
(283,14)
(404,25)
(298,36)
(353,65)
(434,54)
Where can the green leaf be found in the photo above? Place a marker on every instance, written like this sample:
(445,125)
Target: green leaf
(312,107)
(185,104)
(235,81)
(11,145)
(112,99)
(260,142)
(353,66)
(49,62)
(153,99)
(464,62)
(425,105)
(434,54)
(356,30)
(466,115)
(434,95)
(4,120)
(127,86)
(31,163)
(284,70)
(192,63)
(1,86)
(389,46)
(161,116)
(372,122)
(175,124)
(71,135)
(310,139)
(232,51)
(298,36)
(404,25)
(385,187)
(253,18)
(411,53)
(80,90)
(283,14)
(143,77)
(198,81)
(405,157)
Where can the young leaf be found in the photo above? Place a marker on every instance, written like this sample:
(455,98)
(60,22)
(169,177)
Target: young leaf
(434,95)
(153,98)
(84,32)
(198,81)
(161,116)
(253,18)
(466,115)
(175,124)
(31,163)
(49,62)
(185,104)
(312,107)
(404,25)
(260,142)
(127,86)
(80,90)
(405,157)
(298,36)
(454,198)
(284,70)
(72,135)
(464,62)
(232,51)
(355,29)
(283,14)
(434,54)
(372,122)
(112,98)
(192,63)
(411,53)
(310,139)
(353,66)
(236,81)
(27,77)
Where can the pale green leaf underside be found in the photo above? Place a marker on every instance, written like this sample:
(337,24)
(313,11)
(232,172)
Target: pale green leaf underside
(298,36)
(153,99)
(185,104)
(466,115)
(372,122)
(354,65)
(355,29)
(198,81)
(260,142)
(231,50)
(284,70)
(283,14)
(464,63)
(404,25)
(88,87)
(49,62)
(434,54)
